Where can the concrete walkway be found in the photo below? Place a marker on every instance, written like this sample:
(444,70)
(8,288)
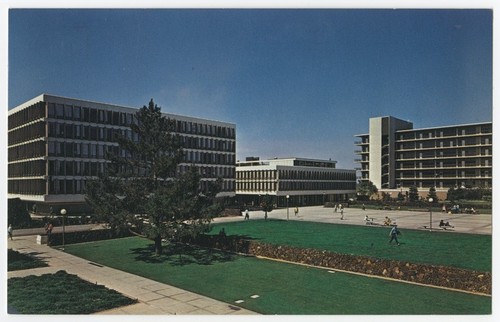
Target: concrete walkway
(159,299)
(154,298)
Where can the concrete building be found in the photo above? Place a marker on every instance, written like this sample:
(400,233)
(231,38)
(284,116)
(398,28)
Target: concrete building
(394,156)
(302,181)
(55,144)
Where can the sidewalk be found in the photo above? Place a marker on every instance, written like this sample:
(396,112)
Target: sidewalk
(153,297)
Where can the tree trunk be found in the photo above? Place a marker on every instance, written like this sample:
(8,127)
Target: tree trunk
(158,246)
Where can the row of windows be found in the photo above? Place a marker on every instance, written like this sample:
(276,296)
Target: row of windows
(305,185)
(81,149)
(445,184)
(316,175)
(27,151)
(27,133)
(446,144)
(87,114)
(92,115)
(87,168)
(460,173)
(294,174)
(256,186)
(209,158)
(27,187)
(212,172)
(99,151)
(269,186)
(77,186)
(257,174)
(26,115)
(27,169)
(472,130)
(445,164)
(88,132)
(470,152)
(188,142)
(74,186)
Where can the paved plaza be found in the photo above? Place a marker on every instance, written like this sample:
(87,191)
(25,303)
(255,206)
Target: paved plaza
(157,298)
(463,223)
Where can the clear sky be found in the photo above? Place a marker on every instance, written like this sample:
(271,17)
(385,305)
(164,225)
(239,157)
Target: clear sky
(295,82)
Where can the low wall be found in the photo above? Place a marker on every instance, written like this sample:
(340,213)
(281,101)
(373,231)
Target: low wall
(75,237)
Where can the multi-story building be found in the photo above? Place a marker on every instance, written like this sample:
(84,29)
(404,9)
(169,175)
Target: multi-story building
(396,156)
(295,181)
(56,144)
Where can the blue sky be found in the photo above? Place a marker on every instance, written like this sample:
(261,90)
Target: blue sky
(295,82)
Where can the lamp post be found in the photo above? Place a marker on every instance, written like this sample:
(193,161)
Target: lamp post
(63,213)
(287,210)
(430,213)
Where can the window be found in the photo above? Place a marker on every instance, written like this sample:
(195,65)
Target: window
(93,115)
(59,111)
(52,110)
(76,113)
(86,116)
(52,148)
(68,112)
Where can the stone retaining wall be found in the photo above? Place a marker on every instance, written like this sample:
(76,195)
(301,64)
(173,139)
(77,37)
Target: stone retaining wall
(450,277)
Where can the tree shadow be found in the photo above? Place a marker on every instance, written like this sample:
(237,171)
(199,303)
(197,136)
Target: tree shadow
(182,254)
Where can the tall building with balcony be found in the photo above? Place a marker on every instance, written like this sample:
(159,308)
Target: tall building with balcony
(55,144)
(393,155)
(304,181)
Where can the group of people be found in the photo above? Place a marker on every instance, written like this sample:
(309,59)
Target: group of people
(455,209)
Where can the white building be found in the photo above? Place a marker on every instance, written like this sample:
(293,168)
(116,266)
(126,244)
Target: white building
(304,181)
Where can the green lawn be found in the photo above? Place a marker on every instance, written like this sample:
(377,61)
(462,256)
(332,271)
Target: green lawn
(418,246)
(282,288)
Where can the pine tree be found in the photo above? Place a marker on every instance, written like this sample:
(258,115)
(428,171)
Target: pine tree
(142,190)
(432,194)
(413,193)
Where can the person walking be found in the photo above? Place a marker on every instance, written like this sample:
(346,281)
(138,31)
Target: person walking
(247,216)
(394,234)
(48,231)
(9,231)
(296,211)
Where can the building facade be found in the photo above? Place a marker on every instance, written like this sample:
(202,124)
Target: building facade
(295,181)
(395,156)
(56,144)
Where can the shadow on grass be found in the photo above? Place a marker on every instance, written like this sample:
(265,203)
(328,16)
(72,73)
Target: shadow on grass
(181,254)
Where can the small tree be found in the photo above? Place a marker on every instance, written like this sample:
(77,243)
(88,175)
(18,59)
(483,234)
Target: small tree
(267,205)
(366,189)
(432,194)
(413,193)
(386,197)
